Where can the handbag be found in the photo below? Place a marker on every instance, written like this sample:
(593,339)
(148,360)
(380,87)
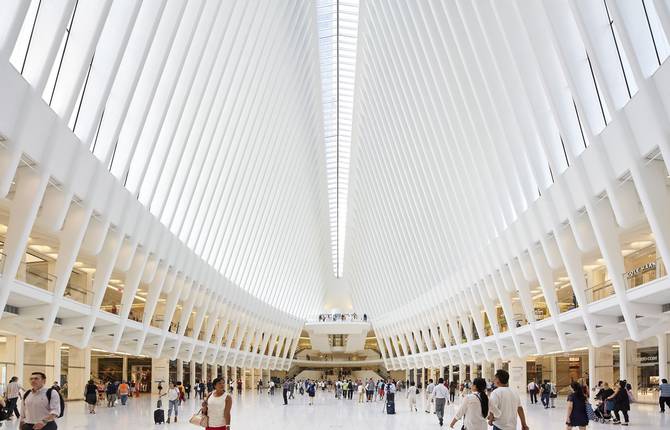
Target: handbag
(199,419)
(590,414)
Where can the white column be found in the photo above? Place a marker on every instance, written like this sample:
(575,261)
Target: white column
(124,368)
(78,372)
(442,372)
(486,371)
(461,373)
(204,372)
(52,361)
(554,369)
(662,356)
(407,375)
(592,370)
(180,371)
(451,372)
(623,360)
(497,364)
(15,357)
(518,375)
(191,369)
(160,371)
(215,371)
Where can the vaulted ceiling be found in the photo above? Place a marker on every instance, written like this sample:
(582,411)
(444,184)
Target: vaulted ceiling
(265,133)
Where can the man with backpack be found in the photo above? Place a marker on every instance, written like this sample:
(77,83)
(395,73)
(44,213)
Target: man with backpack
(41,405)
(545,393)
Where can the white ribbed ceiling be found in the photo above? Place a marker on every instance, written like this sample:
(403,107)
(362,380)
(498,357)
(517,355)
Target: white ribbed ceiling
(235,123)
(210,113)
(464,116)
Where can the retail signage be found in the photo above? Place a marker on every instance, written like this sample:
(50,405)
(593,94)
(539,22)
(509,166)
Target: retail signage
(638,270)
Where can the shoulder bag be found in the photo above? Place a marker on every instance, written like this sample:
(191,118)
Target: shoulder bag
(200,418)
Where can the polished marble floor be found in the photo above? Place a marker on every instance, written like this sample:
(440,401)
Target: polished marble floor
(256,412)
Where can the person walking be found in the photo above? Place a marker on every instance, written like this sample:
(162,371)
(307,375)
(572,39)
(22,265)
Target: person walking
(621,403)
(452,391)
(370,389)
(505,405)
(428,396)
(553,394)
(122,392)
(91,396)
(173,401)
(532,390)
(187,389)
(217,406)
(196,389)
(361,392)
(440,393)
(664,394)
(311,392)
(545,392)
(576,409)
(412,391)
(40,407)
(285,388)
(111,394)
(14,390)
(475,407)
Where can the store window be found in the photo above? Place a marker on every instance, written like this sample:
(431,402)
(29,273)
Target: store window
(642,263)
(646,362)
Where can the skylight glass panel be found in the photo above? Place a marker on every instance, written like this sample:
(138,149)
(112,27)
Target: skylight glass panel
(338,32)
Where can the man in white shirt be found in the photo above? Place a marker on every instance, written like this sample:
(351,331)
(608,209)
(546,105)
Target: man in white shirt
(39,411)
(504,405)
(440,393)
(428,395)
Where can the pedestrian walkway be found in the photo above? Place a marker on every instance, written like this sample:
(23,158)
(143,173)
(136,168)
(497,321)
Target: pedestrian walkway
(254,412)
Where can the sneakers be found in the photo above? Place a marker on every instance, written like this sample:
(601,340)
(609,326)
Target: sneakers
(616,422)
(441,422)
(624,424)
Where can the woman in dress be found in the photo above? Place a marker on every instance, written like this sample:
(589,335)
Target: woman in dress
(475,407)
(91,396)
(217,406)
(576,411)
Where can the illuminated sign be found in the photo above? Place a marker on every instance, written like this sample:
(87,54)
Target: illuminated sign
(639,270)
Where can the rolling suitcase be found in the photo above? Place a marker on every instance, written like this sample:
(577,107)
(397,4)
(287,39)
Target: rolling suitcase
(390,407)
(159,416)
(159,413)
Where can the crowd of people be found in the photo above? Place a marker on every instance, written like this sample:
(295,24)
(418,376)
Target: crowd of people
(343,317)
(483,403)
(480,403)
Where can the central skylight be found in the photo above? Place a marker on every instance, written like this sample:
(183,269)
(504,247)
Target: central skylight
(338,32)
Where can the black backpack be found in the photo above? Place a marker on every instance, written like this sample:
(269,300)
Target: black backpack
(49,391)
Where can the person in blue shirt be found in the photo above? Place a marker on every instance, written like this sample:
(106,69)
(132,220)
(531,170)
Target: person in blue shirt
(664,395)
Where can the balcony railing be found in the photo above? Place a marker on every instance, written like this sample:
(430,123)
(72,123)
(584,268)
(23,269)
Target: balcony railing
(600,291)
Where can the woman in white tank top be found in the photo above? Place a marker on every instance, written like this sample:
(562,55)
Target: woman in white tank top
(218,406)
